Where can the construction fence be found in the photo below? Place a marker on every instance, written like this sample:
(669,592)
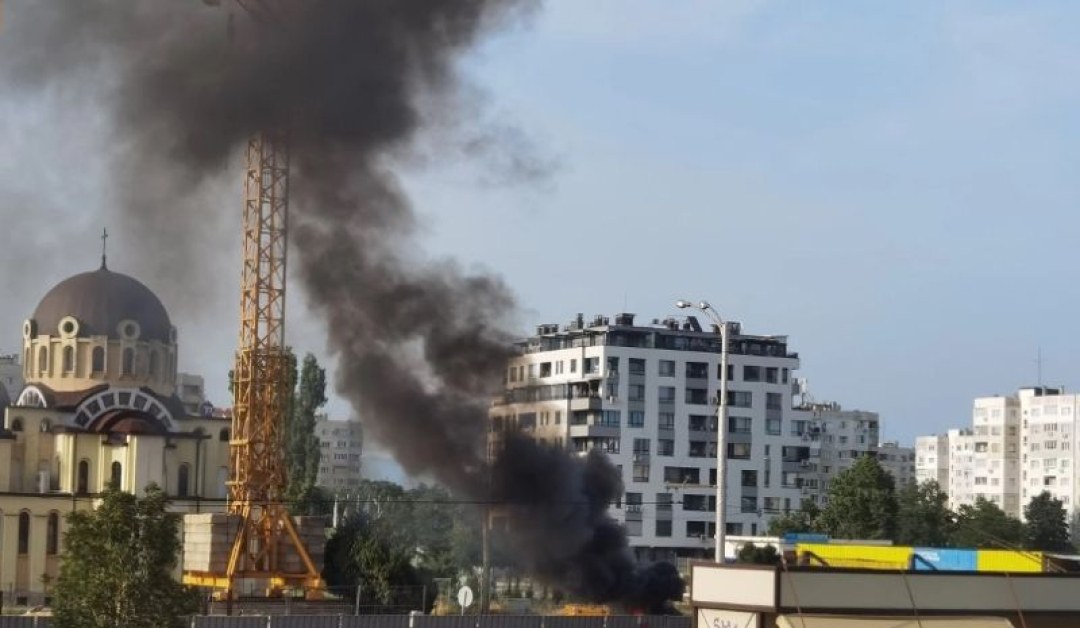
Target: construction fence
(400,621)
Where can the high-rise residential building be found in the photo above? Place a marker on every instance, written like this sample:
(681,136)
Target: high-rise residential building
(646,395)
(837,438)
(932,460)
(341,446)
(984,460)
(1048,433)
(898,461)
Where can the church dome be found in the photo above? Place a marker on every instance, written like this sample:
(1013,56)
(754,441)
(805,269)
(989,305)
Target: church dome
(101,303)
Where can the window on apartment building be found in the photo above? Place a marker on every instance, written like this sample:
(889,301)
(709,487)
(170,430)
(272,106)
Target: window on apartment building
(641,445)
(748,504)
(773,427)
(663,527)
(682,475)
(637,366)
(666,420)
(738,451)
(665,447)
(559,367)
(697,449)
(663,502)
(695,529)
(980,481)
(666,368)
(636,392)
(633,502)
(730,372)
(1048,480)
(739,424)
(635,418)
(699,423)
(740,398)
(693,503)
(666,394)
(748,477)
(532,371)
(772,374)
(640,473)
(573,366)
(697,396)
(774,401)
(697,370)
(612,364)
(590,366)
(611,418)
(751,373)
(545,369)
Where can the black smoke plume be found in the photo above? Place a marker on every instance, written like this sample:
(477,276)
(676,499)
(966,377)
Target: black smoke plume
(421,347)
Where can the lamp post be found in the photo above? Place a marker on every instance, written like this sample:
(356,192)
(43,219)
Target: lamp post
(721,427)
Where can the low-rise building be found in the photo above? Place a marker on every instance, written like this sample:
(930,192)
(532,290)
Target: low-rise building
(898,461)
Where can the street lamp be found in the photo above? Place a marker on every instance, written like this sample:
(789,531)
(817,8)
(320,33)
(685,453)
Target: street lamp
(721,427)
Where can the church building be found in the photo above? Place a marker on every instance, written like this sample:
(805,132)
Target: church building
(99,405)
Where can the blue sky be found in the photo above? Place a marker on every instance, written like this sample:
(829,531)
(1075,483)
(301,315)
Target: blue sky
(890,184)
(887,183)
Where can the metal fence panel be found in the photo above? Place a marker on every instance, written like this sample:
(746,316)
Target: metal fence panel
(510,621)
(375,621)
(10,621)
(449,621)
(229,622)
(305,621)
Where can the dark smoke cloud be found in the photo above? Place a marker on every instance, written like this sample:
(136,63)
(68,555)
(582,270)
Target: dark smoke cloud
(420,347)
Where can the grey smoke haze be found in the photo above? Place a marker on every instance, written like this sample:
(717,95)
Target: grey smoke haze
(420,346)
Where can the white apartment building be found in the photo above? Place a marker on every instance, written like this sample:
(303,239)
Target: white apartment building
(984,461)
(11,377)
(898,461)
(1048,430)
(837,437)
(932,460)
(646,395)
(341,446)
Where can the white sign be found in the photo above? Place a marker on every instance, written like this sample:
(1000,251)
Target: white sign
(714,618)
(464,597)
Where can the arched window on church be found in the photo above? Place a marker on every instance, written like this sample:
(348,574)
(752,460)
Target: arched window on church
(69,359)
(52,534)
(16,424)
(117,475)
(43,360)
(128,366)
(153,363)
(182,480)
(98,359)
(82,483)
(223,435)
(24,532)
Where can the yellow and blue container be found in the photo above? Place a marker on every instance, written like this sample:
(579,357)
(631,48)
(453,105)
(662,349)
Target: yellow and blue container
(857,556)
(940,559)
(1010,561)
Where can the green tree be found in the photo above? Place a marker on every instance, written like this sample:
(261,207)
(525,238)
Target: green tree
(862,503)
(923,516)
(116,569)
(1046,526)
(984,524)
(805,519)
(302,449)
(758,555)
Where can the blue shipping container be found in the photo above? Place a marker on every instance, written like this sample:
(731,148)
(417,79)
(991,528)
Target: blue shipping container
(935,559)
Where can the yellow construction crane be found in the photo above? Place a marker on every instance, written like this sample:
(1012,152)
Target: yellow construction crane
(267,543)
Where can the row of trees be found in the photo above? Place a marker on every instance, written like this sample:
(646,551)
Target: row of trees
(863,503)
